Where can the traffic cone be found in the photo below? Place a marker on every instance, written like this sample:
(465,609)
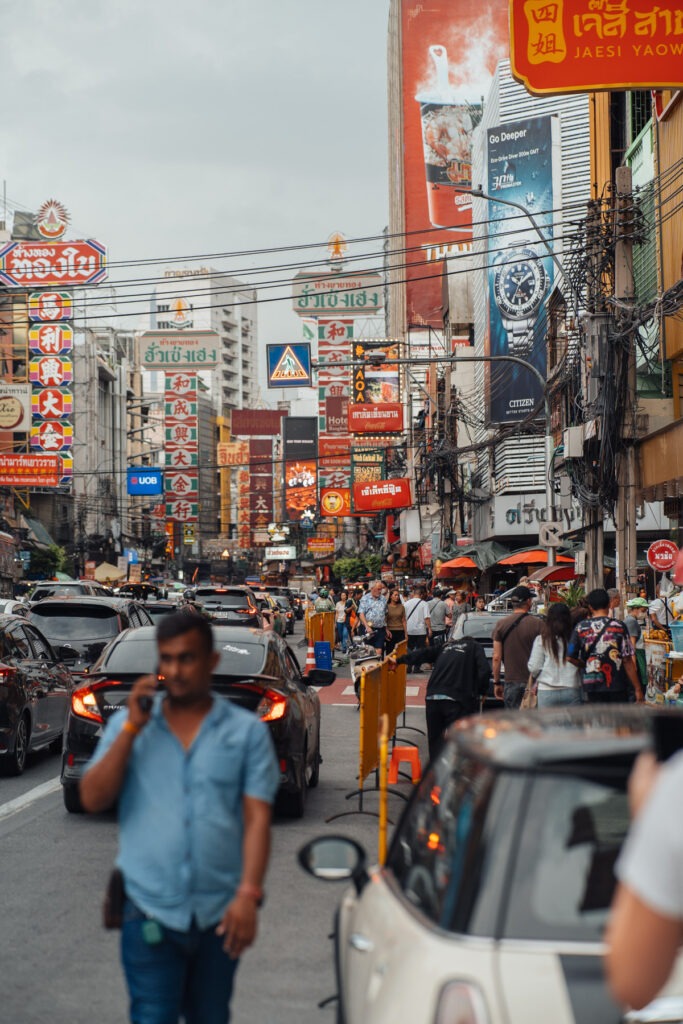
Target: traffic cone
(310,658)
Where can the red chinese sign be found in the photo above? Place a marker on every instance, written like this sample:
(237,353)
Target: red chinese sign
(181,481)
(584,45)
(50,339)
(52,436)
(47,307)
(381,494)
(52,403)
(36,264)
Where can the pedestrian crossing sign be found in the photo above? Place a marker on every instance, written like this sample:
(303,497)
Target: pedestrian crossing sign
(289,366)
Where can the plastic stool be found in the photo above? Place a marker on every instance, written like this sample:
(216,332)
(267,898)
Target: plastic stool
(409,755)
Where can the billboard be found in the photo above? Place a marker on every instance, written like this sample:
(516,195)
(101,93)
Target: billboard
(30,470)
(335,294)
(49,265)
(15,407)
(301,492)
(144,480)
(181,484)
(520,169)
(300,437)
(450,49)
(572,46)
(382,494)
(335,338)
(256,422)
(289,366)
(335,501)
(179,350)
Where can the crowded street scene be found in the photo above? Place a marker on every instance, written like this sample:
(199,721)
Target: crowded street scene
(341,512)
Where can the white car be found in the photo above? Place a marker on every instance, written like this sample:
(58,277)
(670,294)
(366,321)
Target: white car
(493,901)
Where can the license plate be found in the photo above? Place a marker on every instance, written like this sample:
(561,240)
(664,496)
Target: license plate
(221,615)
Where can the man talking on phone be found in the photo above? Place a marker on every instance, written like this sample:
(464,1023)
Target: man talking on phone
(195,777)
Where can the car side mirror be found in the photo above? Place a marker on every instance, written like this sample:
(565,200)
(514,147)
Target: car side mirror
(320,677)
(335,859)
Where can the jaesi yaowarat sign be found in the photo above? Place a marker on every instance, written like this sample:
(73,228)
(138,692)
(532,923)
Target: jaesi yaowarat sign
(584,45)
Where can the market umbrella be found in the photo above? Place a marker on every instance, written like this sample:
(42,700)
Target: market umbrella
(531,556)
(479,556)
(107,571)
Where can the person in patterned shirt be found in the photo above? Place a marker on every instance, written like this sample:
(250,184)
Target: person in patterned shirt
(602,649)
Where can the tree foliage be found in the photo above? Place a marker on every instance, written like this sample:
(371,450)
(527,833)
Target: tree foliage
(357,567)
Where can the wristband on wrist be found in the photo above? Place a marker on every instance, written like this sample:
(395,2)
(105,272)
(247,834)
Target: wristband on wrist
(130,728)
(253,891)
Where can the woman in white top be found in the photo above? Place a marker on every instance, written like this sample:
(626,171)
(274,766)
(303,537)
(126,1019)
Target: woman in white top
(558,681)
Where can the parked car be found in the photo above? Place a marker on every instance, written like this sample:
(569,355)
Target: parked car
(35,693)
(141,591)
(492,905)
(67,588)
(160,609)
(228,605)
(256,669)
(480,626)
(10,606)
(81,627)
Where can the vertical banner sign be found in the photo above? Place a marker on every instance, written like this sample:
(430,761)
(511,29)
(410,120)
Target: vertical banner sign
(450,49)
(300,449)
(520,169)
(51,371)
(261,508)
(181,446)
(376,407)
(335,338)
(242,479)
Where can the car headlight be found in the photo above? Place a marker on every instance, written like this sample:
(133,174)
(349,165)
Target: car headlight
(461,1002)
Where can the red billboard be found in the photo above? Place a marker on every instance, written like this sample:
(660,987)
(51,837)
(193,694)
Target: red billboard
(30,470)
(256,422)
(376,419)
(450,49)
(301,477)
(382,494)
(335,501)
(50,264)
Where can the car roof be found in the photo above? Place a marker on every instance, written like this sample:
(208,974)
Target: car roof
(554,737)
(242,634)
(89,600)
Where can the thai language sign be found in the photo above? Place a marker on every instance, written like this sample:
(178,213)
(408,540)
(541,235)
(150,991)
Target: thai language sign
(171,350)
(232,453)
(340,294)
(30,470)
(584,45)
(15,407)
(35,264)
(376,419)
(373,497)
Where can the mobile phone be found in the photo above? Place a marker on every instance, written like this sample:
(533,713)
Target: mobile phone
(145,702)
(668,735)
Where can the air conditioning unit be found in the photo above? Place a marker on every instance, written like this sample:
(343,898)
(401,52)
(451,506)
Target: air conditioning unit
(572,440)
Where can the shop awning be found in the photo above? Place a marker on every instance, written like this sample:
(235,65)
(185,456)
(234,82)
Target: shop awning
(482,556)
(37,531)
(531,556)
(464,562)
(553,574)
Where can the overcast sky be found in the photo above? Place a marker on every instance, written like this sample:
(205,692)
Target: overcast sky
(172,128)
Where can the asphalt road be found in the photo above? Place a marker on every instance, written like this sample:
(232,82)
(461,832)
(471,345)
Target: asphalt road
(59,965)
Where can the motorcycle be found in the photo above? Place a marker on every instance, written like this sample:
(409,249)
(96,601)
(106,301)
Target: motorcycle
(361,656)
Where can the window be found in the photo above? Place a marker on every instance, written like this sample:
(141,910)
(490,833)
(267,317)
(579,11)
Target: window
(40,646)
(292,669)
(564,872)
(437,856)
(16,644)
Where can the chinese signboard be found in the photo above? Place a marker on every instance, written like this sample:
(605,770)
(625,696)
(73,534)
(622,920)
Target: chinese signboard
(520,270)
(179,350)
(50,339)
(585,45)
(181,485)
(335,338)
(41,264)
(373,497)
(48,307)
(450,49)
(261,496)
(337,294)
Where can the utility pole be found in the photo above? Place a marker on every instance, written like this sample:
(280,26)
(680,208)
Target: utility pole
(624,293)
(596,331)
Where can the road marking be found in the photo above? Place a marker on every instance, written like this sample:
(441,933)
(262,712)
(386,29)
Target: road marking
(20,803)
(412,691)
(348,691)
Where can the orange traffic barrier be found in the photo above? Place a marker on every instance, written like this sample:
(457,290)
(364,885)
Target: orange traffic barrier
(310,657)
(408,755)
(320,626)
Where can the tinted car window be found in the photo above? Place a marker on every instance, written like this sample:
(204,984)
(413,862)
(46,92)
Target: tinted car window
(564,878)
(437,849)
(60,590)
(39,645)
(131,656)
(238,658)
(228,600)
(75,622)
(16,644)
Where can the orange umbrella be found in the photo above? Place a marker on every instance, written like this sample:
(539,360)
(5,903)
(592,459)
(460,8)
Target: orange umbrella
(531,556)
(460,563)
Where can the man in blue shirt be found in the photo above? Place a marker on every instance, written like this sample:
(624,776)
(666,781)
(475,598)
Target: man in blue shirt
(195,777)
(372,612)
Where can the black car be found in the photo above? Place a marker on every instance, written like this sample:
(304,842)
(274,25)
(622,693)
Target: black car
(228,605)
(160,609)
(256,669)
(35,693)
(81,627)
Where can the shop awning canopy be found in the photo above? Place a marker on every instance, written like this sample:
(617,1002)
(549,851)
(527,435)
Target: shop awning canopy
(107,571)
(464,562)
(553,574)
(475,556)
(531,556)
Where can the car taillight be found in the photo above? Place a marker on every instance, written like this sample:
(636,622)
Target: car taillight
(461,1003)
(271,706)
(245,611)
(6,674)
(84,704)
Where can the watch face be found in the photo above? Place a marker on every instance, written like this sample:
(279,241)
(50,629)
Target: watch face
(519,284)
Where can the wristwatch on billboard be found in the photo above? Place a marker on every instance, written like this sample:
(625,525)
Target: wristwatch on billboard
(519,285)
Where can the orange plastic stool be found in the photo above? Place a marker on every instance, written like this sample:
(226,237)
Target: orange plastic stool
(409,755)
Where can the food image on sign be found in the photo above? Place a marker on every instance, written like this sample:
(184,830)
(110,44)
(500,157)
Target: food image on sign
(300,487)
(335,501)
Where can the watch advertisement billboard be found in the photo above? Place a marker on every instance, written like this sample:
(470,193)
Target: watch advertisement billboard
(449,52)
(521,168)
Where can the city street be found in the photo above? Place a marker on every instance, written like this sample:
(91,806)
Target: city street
(65,968)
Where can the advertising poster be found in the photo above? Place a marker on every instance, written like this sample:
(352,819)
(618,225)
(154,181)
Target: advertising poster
(450,49)
(335,338)
(300,488)
(376,397)
(520,163)
(374,497)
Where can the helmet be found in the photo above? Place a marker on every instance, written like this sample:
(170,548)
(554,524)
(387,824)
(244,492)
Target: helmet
(637,602)
(323,592)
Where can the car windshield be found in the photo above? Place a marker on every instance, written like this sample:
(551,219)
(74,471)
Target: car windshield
(226,599)
(480,627)
(75,622)
(564,873)
(140,656)
(57,590)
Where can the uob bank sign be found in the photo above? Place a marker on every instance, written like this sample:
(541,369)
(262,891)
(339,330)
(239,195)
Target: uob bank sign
(145,480)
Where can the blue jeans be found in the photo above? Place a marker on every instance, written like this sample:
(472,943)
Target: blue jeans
(563,695)
(185,974)
(343,635)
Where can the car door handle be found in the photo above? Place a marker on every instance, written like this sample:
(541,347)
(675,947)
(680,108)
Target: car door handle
(361,943)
